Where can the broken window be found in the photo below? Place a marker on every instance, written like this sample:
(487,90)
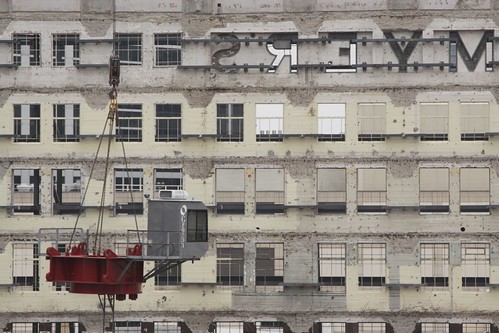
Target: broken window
(128,191)
(332,267)
(25,266)
(26,194)
(168,49)
(129,124)
(168,122)
(66,195)
(371,190)
(128,47)
(434,190)
(269,267)
(475,264)
(269,122)
(371,121)
(434,328)
(66,50)
(27,123)
(169,277)
(434,121)
(476,328)
(435,265)
(331,190)
(229,327)
(474,121)
(26,51)
(474,190)
(66,123)
(269,191)
(372,327)
(371,262)
(168,179)
(166,327)
(331,121)
(230,191)
(230,122)
(230,264)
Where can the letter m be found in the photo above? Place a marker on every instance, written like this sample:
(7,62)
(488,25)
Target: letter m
(456,46)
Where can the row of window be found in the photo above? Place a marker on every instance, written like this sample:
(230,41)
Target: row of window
(254,327)
(331,118)
(66,49)
(269,266)
(269,185)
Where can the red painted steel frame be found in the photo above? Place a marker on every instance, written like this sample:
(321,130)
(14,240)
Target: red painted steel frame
(106,274)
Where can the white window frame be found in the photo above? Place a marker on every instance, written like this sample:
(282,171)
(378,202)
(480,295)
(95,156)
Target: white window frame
(434,263)
(269,122)
(331,121)
(332,264)
(371,264)
(166,48)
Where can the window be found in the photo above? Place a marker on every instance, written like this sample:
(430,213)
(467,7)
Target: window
(372,259)
(331,190)
(25,327)
(66,123)
(372,327)
(371,121)
(371,190)
(269,327)
(27,123)
(60,286)
(66,50)
(168,277)
(127,326)
(128,191)
(26,50)
(333,327)
(166,327)
(230,264)
(332,267)
(229,327)
(474,190)
(230,191)
(168,179)
(168,122)
(476,328)
(434,190)
(269,266)
(197,226)
(66,193)
(65,327)
(434,121)
(25,266)
(129,124)
(435,265)
(168,49)
(474,121)
(269,191)
(230,121)
(269,118)
(475,264)
(434,328)
(128,47)
(331,122)
(26,196)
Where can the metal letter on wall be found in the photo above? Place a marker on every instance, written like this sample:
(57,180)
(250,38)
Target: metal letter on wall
(403,55)
(283,45)
(226,52)
(352,53)
(471,62)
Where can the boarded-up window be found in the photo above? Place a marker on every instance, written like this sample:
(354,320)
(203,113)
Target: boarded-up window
(371,121)
(434,121)
(371,262)
(434,190)
(435,264)
(474,121)
(331,190)
(269,191)
(371,190)
(332,266)
(331,122)
(230,191)
(474,190)
(475,264)
(269,266)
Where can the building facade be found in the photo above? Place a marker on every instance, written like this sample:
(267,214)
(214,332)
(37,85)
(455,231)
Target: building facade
(347,152)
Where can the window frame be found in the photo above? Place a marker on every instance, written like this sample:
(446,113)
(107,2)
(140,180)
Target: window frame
(30,281)
(125,49)
(231,260)
(129,181)
(270,116)
(476,263)
(69,39)
(168,48)
(27,116)
(168,120)
(21,39)
(366,120)
(62,114)
(330,282)
(437,263)
(325,132)
(262,283)
(128,116)
(231,119)
(368,262)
